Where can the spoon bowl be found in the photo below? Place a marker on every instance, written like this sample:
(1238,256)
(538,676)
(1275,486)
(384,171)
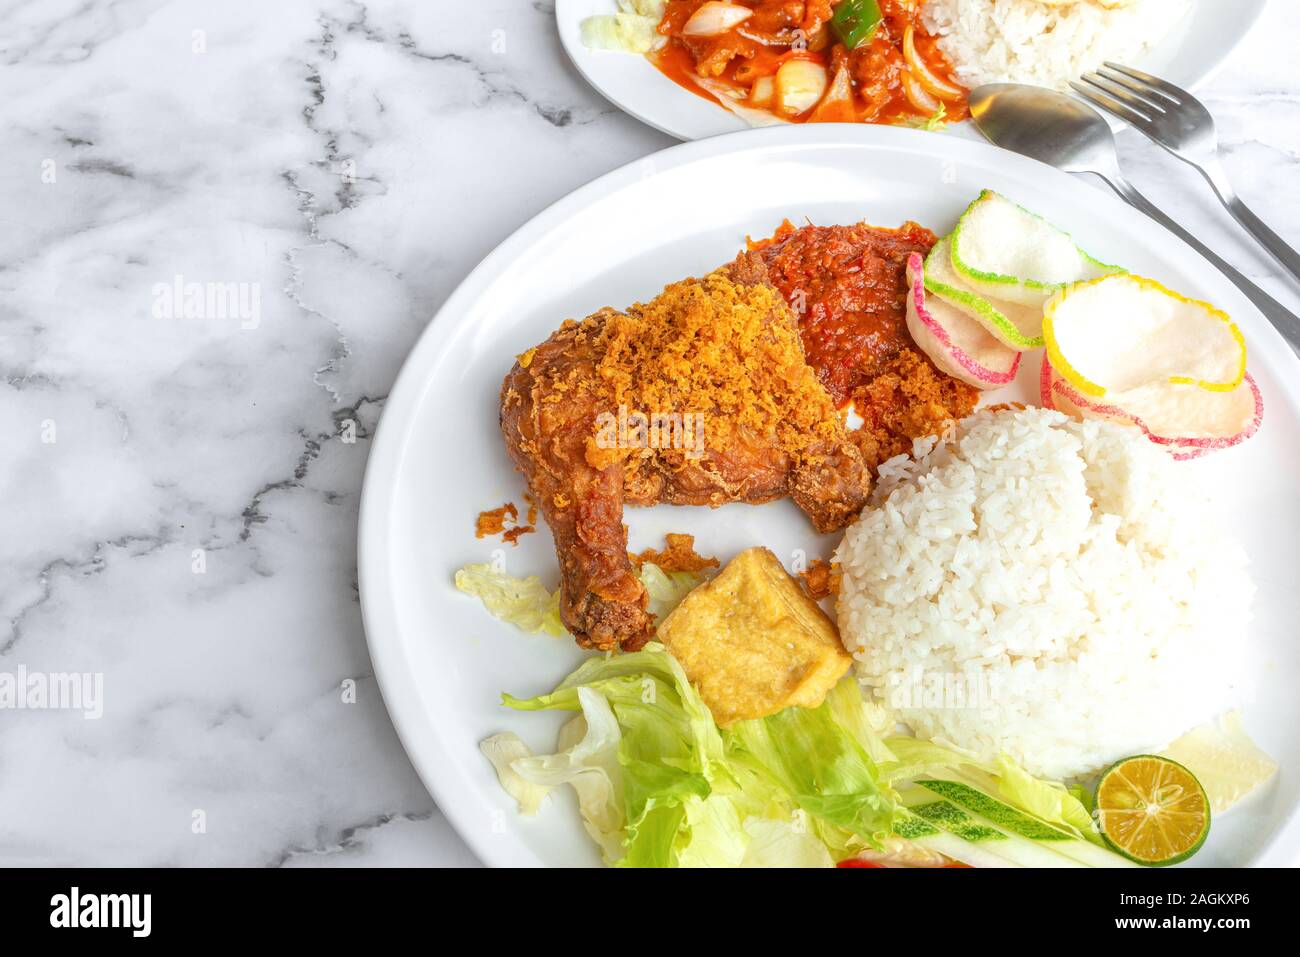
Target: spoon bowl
(1048,126)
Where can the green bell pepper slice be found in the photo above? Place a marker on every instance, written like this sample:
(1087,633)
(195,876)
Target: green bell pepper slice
(854,22)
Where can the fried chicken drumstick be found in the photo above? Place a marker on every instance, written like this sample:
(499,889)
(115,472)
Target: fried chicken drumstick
(717,364)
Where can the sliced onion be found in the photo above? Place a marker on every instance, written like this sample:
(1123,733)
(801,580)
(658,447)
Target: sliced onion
(837,105)
(799,85)
(715,17)
(917,96)
(761,93)
(724,94)
(927,79)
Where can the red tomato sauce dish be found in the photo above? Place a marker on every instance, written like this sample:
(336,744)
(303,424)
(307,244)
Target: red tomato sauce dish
(899,62)
(855,61)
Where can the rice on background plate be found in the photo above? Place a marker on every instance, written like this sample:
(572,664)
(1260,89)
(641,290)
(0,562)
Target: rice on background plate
(1046,44)
(1055,589)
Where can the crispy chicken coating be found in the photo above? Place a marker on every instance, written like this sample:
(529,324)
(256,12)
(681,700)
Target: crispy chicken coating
(848,286)
(700,397)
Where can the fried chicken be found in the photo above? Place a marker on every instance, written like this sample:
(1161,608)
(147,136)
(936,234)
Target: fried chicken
(700,397)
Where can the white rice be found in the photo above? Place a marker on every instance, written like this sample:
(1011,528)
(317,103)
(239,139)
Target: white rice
(1057,590)
(1028,41)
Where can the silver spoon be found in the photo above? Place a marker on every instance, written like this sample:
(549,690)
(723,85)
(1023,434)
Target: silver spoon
(1061,131)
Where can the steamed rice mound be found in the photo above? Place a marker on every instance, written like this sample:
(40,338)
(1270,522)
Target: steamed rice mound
(1047,44)
(1056,590)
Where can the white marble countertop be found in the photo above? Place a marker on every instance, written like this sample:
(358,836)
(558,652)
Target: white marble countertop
(180,493)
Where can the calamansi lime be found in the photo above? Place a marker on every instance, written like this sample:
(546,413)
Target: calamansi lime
(1152,810)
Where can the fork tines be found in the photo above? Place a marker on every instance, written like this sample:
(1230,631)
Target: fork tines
(1130,94)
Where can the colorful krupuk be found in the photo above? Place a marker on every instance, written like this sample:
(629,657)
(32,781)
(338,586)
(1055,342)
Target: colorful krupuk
(955,342)
(1003,251)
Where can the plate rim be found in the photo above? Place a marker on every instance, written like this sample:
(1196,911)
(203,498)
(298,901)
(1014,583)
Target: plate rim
(428,753)
(567,29)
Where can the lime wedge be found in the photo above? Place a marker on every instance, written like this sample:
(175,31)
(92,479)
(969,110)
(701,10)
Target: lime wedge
(1152,810)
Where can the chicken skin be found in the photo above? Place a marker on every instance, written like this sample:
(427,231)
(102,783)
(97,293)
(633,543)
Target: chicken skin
(700,397)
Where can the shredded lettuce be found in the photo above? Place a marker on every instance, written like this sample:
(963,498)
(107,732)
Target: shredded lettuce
(524,602)
(661,785)
(502,750)
(666,589)
(633,29)
(777,843)
(714,834)
(667,748)
(865,721)
(590,767)
(528,605)
(935,121)
(820,765)
(695,795)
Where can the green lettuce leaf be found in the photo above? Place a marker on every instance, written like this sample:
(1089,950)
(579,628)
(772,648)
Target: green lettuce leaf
(820,765)
(668,750)
(660,785)
(591,768)
(865,721)
(774,843)
(713,835)
(666,589)
(914,757)
(691,794)
(652,840)
(935,121)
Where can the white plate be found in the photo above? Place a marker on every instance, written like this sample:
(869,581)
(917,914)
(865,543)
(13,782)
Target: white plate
(1192,53)
(439,458)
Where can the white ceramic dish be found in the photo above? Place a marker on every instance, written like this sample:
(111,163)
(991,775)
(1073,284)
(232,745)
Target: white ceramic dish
(1192,53)
(439,459)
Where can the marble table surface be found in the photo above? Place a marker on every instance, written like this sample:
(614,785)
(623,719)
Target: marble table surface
(179,478)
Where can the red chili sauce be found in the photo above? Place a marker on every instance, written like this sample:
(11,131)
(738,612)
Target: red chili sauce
(848,285)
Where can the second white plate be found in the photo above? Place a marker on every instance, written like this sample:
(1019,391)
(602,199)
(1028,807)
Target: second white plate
(1192,53)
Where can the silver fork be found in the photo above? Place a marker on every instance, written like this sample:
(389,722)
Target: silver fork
(1175,120)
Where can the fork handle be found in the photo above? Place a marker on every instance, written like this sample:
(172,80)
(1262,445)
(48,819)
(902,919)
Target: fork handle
(1271,241)
(1283,319)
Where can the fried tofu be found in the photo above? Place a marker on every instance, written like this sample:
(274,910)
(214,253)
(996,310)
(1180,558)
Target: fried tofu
(753,642)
